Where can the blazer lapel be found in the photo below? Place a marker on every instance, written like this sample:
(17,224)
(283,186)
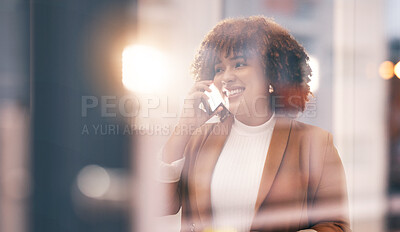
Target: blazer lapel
(204,166)
(275,153)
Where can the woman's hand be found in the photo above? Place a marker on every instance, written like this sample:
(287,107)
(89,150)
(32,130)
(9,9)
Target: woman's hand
(192,116)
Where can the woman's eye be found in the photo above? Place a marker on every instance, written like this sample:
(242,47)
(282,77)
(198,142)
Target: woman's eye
(217,70)
(240,64)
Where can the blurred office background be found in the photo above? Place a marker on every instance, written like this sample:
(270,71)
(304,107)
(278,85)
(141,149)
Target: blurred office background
(75,75)
(55,177)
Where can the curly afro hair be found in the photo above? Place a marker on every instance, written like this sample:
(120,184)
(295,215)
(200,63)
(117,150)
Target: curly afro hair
(285,60)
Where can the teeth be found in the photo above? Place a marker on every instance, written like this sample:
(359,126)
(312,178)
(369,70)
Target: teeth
(234,91)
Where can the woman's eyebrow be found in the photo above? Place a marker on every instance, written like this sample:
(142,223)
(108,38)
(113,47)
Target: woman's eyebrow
(218,61)
(237,58)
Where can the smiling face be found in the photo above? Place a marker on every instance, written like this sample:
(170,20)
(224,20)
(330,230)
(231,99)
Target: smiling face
(242,80)
(280,61)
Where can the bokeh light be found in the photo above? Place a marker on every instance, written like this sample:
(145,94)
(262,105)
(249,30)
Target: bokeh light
(93,181)
(144,69)
(386,70)
(397,69)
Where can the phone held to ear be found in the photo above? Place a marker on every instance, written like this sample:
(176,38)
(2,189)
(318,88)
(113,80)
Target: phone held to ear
(215,99)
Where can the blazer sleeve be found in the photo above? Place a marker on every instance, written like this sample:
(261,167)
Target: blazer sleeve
(168,178)
(329,207)
(170,198)
(172,193)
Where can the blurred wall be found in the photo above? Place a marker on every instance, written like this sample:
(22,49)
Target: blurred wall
(360,108)
(15,186)
(76,49)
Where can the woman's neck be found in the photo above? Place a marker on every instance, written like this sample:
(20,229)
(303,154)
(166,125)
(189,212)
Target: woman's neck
(254,120)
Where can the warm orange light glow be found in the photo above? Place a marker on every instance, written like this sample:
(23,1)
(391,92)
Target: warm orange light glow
(397,69)
(144,69)
(386,70)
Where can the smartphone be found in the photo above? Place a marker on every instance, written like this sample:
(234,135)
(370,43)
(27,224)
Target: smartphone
(215,100)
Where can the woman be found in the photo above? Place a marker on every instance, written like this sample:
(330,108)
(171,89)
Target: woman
(258,169)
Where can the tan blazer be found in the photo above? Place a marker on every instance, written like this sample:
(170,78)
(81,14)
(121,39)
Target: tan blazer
(303,182)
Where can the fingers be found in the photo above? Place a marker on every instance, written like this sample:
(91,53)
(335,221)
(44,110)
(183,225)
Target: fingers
(199,95)
(192,113)
(218,110)
(196,98)
(201,86)
(191,106)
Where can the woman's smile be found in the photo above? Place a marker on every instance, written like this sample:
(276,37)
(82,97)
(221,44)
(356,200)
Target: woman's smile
(233,92)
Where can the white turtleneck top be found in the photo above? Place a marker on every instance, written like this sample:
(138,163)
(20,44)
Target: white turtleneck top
(237,175)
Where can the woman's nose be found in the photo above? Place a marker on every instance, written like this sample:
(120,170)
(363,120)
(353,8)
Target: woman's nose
(229,76)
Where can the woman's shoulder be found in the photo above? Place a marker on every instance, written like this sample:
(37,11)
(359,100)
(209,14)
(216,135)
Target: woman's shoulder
(312,132)
(315,140)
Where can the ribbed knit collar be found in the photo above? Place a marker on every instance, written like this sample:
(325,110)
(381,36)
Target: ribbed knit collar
(244,129)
